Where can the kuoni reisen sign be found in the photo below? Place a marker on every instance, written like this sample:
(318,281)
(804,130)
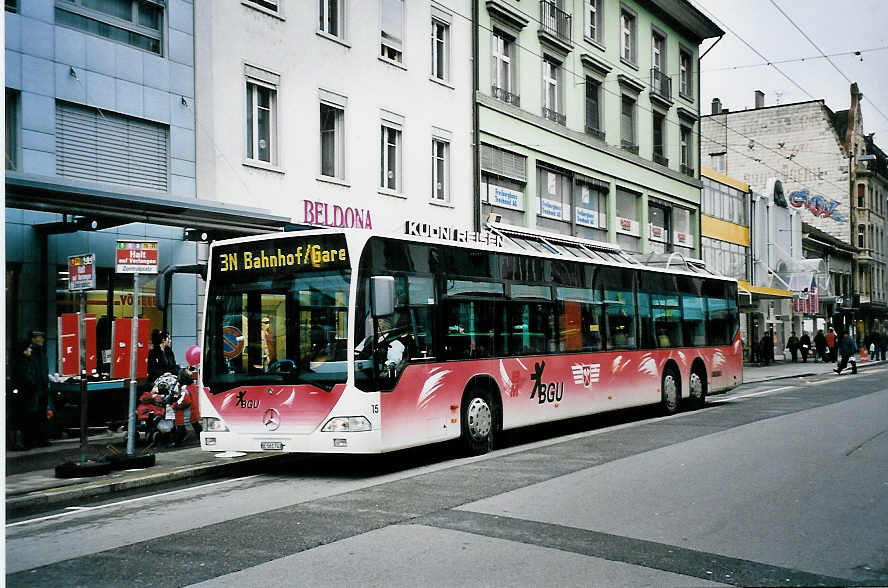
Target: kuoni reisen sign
(136,257)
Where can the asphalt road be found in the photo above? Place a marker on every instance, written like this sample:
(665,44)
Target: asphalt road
(775,484)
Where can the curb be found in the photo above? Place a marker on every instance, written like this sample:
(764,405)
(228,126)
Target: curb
(18,504)
(860,367)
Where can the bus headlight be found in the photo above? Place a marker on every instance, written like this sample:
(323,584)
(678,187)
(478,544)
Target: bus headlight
(346,425)
(213,425)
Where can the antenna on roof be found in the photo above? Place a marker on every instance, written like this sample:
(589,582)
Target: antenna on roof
(778,95)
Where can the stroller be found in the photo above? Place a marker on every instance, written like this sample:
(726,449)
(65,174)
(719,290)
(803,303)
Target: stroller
(155,418)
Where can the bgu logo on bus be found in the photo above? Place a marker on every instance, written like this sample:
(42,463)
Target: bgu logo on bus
(551,392)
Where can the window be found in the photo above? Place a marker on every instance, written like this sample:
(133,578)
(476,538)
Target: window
(861,236)
(684,75)
(132,22)
(332,141)
(627,124)
(531,320)
(593,108)
(861,196)
(681,229)
(271,5)
(628,229)
(12,6)
(580,319)
(665,311)
(693,311)
(392,29)
(590,208)
(390,158)
(718,161)
(658,227)
(685,142)
(440,50)
(503,67)
(331,17)
(261,122)
(503,180)
(619,303)
(554,189)
(441,170)
(659,149)
(475,316)
(721,312)
(627,36)
(13,126)
(658,52)
(593,20)
(133,152)
(552,108)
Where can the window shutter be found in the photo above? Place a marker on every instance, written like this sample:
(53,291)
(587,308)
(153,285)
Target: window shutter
(503,163)
(108,147)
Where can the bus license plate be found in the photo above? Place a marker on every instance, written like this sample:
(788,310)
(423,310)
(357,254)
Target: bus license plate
(277,445)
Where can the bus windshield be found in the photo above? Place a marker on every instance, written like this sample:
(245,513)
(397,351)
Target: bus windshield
(278,325)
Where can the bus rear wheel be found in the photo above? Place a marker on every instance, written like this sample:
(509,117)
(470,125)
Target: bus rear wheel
(670,389)
(697,387)
(478,423)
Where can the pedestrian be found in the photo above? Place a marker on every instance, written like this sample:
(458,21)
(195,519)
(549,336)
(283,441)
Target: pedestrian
(805,346)
(766,348)
(182,406)
(883,339)
(876,345)
(793,345)
(847,349)
(831,345)
(23,383)
(755,351)
(37,400)
(161,359)
(820,345)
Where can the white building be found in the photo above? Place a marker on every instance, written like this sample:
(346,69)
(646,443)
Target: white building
(337,113)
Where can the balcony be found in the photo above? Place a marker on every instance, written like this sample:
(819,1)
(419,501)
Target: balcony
(687,170)
(661,87)
(505,96)
(554,116)
(660,158)
(597,133)
(555,26)
(628,146)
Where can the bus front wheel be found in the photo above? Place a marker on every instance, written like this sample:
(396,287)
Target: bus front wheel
(477,423)
(670,389)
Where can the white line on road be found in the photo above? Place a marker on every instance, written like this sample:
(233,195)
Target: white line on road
(750,395)
(78,509)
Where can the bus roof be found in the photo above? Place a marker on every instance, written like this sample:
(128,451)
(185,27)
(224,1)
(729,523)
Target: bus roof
(516,240)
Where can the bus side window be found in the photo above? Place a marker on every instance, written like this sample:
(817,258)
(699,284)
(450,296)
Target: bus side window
(693,310)
(579,312)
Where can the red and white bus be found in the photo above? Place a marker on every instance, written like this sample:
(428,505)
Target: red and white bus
(347,341)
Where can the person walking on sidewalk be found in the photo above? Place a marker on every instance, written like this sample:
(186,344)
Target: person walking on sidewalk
(831,344)
(766,348)
(805,346)
(847,349)
(39,404)
(793,345)
(820,345)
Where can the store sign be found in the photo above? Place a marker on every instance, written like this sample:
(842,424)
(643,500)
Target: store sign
(342,217)
(628,226)
(681,239)
(816,204)
(418,229)
(502,197)
(657,233)
(591,218)
(552,209)
(82,272)
(136,257)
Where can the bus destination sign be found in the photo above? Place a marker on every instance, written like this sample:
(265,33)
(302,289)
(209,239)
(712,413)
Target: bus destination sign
(282,255)
(419,229)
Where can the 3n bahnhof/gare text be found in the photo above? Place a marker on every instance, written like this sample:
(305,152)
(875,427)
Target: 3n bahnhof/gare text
(309,255)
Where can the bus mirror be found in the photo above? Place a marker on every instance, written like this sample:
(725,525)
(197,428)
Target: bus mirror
(383,288)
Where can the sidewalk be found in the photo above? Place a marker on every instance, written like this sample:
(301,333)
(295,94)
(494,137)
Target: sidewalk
(753,372)
(31,481)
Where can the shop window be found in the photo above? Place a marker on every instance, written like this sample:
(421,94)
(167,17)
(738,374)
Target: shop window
(554,191)
(658,227)
(628,227)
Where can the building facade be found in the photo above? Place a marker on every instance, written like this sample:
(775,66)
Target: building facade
(337,113)
(588,119)
(811,150)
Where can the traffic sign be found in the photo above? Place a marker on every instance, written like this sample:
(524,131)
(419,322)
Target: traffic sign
(82,272)
(136,257)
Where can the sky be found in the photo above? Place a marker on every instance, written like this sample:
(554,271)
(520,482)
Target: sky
(835,26)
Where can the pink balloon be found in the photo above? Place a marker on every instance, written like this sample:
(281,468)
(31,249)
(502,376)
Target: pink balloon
(192,355)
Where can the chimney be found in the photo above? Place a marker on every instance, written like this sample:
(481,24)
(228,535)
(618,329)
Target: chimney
(759,99)
(716,106)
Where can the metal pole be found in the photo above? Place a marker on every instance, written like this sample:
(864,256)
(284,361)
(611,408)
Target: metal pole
(134,347)
(83,394)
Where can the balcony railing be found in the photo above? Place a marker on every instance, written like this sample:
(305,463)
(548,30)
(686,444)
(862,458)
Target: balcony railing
(661,159)
(687,170)
(630,147)
(555,21)
(554,116)
(505,96)
(597,133)
(661,84)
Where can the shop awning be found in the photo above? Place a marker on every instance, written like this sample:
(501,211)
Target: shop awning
(125,205)
(762,292)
